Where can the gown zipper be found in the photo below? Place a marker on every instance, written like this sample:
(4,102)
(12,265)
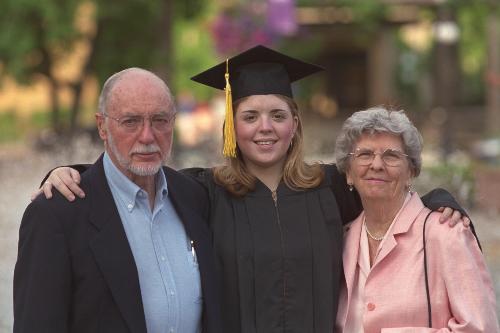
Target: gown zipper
(274,195)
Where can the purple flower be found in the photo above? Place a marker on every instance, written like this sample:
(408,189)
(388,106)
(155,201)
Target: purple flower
(281,17)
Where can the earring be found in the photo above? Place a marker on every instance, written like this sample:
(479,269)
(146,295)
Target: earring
(409,187)
(350,187)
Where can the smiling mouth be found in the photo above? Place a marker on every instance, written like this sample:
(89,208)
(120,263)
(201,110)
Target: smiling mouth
(264,143)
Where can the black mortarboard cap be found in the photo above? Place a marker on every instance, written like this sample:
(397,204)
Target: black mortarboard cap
(258,71)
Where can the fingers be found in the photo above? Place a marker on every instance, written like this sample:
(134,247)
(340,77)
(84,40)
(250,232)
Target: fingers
(60,186)
(446,214)
(75,175)
(72,181)
(455,218)
(62,180)
(47,189)
(65,180)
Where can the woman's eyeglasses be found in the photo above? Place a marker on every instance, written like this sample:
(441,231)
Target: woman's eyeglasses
(390,157)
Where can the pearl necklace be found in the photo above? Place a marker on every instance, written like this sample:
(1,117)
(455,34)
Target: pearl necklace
(378,239)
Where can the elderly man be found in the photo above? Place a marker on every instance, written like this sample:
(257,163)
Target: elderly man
(135,255)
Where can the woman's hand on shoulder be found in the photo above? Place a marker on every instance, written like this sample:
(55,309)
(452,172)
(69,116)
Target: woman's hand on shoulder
(453,217)
(66,180)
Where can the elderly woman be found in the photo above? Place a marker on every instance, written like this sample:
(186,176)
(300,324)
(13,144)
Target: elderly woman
(396,247)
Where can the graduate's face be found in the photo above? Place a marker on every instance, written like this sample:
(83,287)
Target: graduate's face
(377,180)
(139,152)
(264,126)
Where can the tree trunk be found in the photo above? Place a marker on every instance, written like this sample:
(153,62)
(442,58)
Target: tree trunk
(446,80)
(54,102)
(164,70)
(75,108)
(76,104)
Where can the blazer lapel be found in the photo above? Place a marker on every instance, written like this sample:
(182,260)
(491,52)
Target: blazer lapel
(351,253)
(389,245)
(192,220)
(403,223)
(112,252)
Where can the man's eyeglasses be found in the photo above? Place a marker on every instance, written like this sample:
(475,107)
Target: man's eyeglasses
(159,122)
(390,157)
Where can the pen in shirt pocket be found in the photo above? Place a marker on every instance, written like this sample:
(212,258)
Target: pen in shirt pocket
(193,252)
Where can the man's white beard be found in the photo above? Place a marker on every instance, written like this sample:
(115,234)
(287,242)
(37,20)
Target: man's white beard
(127,163)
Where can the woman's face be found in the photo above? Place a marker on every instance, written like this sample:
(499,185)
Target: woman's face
(264,127)
(379,181)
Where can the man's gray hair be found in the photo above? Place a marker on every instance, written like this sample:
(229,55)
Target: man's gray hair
(379,120)
(115,78)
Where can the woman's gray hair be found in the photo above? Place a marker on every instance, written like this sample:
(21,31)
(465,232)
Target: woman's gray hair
(115,78)
(379,120)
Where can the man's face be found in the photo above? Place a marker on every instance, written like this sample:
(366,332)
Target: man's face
(138,128)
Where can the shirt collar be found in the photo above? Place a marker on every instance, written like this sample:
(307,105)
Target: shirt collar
(161,186)
(128,190)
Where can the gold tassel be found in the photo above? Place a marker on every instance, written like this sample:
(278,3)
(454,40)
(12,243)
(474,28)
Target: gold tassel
(229,149)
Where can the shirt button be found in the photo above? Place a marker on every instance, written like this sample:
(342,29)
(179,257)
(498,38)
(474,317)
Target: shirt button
(130,206)
(172,293)
(171,330)
(370,306)
(162,258)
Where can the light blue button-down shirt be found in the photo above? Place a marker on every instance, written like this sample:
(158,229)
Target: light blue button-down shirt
(168,271)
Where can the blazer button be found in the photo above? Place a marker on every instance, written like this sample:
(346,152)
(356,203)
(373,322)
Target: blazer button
(370,306)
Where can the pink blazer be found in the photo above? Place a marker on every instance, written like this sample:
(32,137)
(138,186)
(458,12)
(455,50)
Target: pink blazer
(462,294)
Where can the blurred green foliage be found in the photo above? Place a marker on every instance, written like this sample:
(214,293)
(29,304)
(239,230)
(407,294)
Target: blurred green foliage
(40,119)
(193,52)
(128,32)
(174,38)
(36,34)
(14,127)
(30,30)
(471,18)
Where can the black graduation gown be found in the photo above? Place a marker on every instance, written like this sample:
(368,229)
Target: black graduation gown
(280,261)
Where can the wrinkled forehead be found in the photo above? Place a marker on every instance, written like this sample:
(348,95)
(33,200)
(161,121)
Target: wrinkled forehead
(379,140)
(139,82)
(140,91)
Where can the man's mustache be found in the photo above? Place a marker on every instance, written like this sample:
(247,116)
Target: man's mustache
(145,149)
